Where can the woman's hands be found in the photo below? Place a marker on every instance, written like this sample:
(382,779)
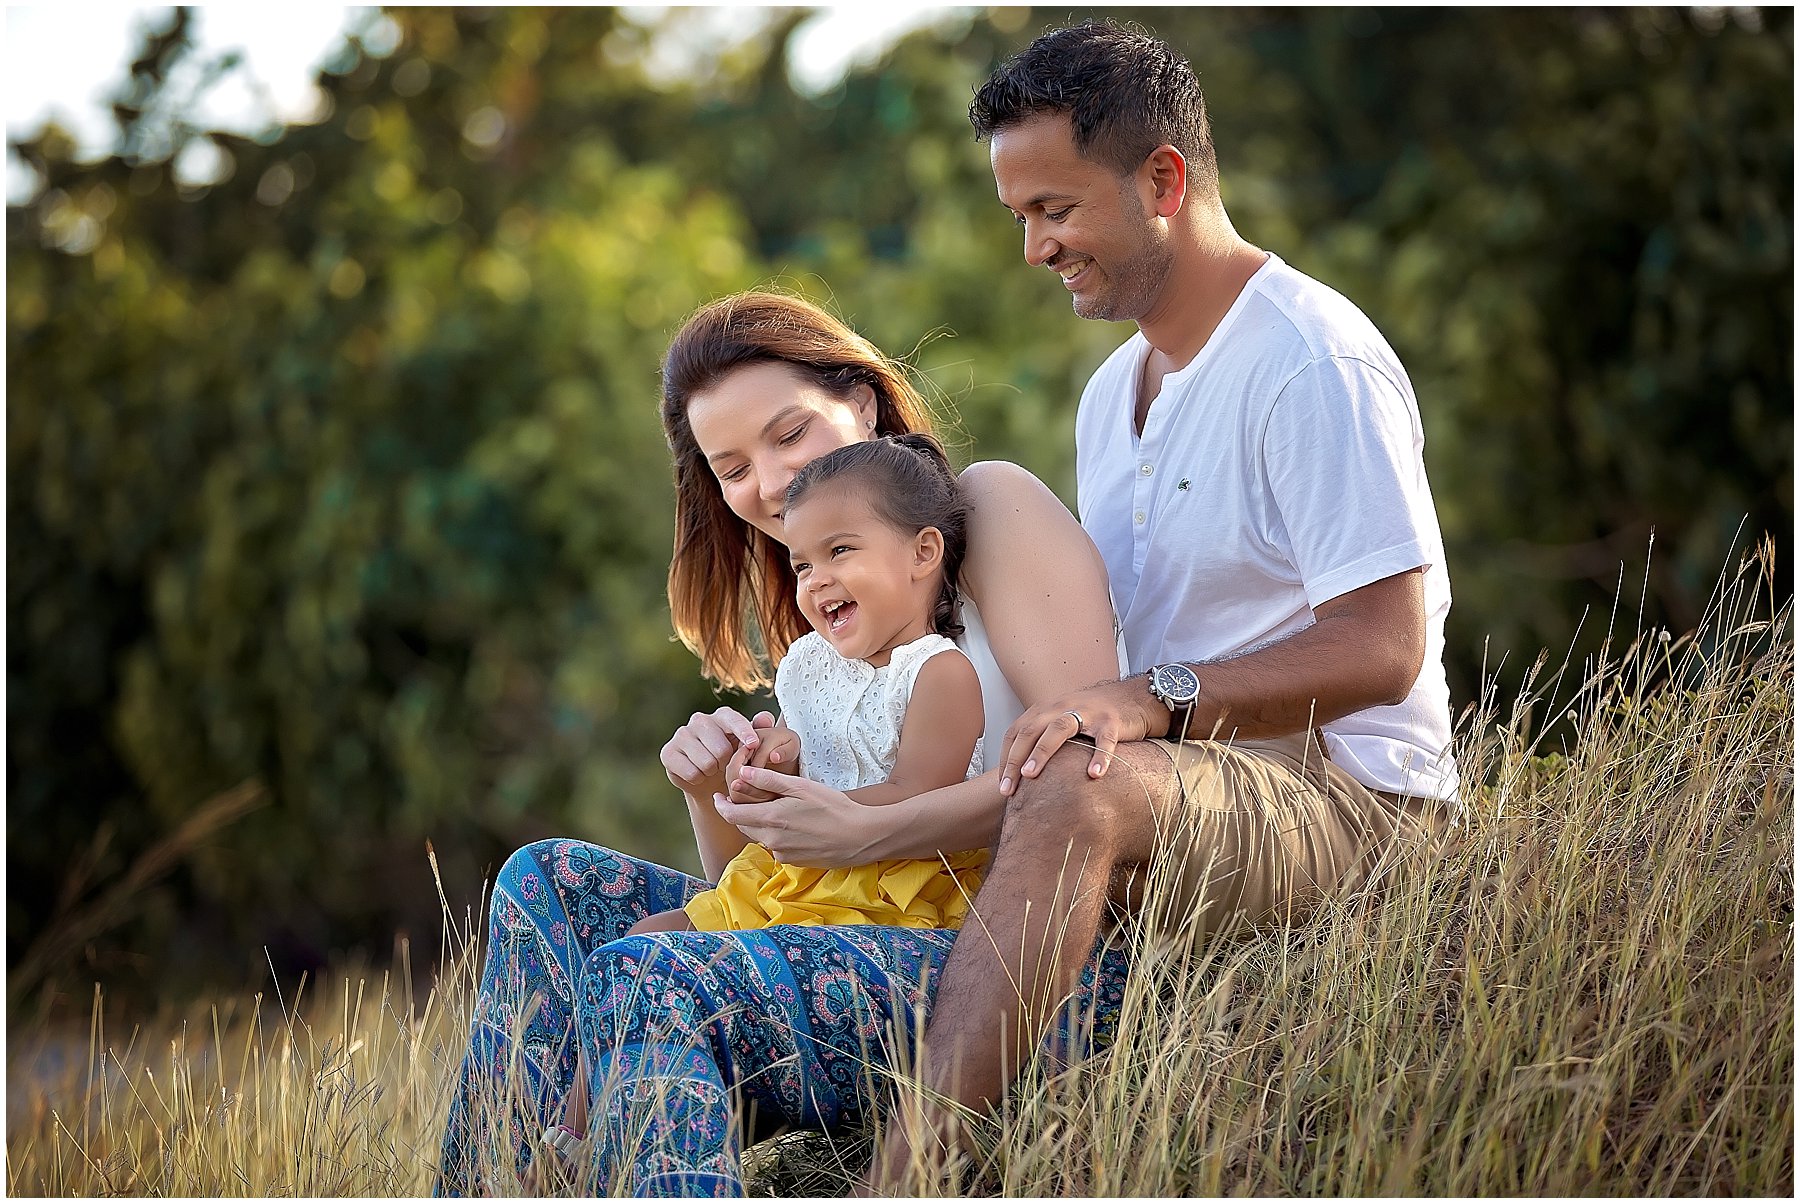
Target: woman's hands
(803,823)
(1111,714)
(695,758)
(697,755)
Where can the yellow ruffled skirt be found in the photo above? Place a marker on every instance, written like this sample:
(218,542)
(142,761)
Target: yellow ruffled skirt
(756,891)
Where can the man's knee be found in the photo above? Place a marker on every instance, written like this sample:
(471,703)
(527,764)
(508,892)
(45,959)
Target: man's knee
(1065,801)
(1117,816)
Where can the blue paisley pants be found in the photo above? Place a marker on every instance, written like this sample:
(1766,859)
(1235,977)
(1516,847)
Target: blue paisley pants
(682,1030)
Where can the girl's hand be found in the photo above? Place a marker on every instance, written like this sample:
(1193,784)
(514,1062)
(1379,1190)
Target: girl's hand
(696,756)
(803,822)
(779,750)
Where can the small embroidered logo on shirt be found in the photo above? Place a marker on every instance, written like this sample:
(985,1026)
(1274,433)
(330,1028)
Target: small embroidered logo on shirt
(1182,484)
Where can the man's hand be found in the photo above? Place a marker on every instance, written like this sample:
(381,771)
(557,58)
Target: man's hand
(1111,714)
(1365,649)
(779,750)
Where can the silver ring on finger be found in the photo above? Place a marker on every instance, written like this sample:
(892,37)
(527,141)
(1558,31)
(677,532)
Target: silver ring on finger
(1078,723)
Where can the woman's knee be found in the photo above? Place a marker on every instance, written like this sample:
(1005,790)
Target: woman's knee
(528,859)
(626,959)
(524,878)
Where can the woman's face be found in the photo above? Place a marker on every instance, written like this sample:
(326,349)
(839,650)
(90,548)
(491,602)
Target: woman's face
(761,424)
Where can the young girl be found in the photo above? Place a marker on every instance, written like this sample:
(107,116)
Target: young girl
(876,700)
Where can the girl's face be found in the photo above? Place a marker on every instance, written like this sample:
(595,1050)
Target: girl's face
(761,424)
(863,585)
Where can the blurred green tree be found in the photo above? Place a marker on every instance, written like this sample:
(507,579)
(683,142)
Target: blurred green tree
(344,472)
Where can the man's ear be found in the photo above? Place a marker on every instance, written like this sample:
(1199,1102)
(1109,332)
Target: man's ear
(928,552)
(1165,174)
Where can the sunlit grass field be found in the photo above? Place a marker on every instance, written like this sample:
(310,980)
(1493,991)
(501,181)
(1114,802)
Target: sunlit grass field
(1592,993)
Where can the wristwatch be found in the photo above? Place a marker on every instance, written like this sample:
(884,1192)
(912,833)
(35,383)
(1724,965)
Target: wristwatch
(1176,687)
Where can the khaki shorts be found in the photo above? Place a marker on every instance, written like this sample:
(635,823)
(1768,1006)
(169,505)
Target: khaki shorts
(1268,829)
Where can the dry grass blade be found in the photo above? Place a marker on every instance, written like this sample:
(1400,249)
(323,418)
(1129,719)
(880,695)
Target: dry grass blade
(78,923)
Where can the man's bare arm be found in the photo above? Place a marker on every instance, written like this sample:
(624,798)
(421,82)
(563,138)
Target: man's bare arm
(1365,650)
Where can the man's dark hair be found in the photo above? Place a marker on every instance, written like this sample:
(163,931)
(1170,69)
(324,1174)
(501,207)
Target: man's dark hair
(1125,92)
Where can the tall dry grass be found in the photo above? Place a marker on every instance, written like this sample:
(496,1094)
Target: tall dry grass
(333,1091)
(1591,993)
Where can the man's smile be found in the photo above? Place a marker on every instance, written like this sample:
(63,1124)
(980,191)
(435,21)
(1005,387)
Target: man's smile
(1072,269)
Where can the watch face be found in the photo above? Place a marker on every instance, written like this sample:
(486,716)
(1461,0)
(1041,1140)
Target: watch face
(1176,684)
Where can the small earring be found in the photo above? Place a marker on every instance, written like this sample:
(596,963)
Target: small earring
(870,424)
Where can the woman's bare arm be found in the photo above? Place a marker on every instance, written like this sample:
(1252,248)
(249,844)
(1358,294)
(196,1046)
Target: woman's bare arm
(1040,584)
(717,841)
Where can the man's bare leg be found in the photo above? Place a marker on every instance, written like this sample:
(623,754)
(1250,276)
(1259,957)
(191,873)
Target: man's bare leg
(1031,930)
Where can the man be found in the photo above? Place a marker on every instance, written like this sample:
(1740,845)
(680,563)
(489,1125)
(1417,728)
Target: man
(1250,466)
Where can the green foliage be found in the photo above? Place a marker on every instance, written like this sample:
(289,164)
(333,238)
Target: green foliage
(343,471)
(349,469)
(1587,264)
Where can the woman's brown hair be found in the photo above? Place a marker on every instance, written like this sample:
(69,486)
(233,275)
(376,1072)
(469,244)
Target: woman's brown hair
(730,586)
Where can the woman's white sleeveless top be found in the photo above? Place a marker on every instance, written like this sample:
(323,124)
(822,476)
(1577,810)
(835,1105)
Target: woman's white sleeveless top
(998,701)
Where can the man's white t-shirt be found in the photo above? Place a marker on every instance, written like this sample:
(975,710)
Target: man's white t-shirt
(1281,468)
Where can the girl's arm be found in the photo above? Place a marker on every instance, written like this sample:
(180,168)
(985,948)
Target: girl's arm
(943,724)
(1041,587)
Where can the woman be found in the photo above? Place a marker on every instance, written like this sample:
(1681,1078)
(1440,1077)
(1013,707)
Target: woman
(671,1033)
